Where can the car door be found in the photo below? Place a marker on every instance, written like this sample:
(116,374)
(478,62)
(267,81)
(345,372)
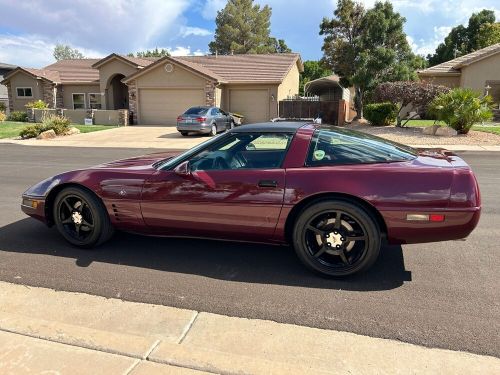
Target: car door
(216,115)
(226,200)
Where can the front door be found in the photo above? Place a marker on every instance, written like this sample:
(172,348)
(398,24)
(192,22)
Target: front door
(232,190)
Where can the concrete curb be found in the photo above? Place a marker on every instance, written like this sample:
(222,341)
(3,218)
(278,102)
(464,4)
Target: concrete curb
(150,339)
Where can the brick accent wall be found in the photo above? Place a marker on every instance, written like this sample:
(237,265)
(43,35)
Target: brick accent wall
(210,93)
(49,94)
(11,101)
(59,97)
(132,100)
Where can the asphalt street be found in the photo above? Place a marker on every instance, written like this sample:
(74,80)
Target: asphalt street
(439,295)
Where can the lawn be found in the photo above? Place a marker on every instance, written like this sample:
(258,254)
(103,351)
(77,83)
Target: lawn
(481,128)
(10,129)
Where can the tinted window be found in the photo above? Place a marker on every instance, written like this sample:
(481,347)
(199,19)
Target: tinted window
(243,151)
(214,112)
(341,146)
(196,111)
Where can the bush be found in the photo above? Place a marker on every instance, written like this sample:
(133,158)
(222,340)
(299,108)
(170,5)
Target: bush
(3,108)
(59,124)
(2,116)
(38,104)
(18,116)
(461,108)
(380,114)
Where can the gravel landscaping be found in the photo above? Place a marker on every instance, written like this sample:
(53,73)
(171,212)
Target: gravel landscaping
(413,136)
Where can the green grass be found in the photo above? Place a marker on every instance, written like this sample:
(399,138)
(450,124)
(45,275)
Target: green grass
(422,123)
(481,128)
(487,129)
(9,129)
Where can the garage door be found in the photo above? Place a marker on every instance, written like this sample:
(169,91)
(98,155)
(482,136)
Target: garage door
(253,104)
(162,106)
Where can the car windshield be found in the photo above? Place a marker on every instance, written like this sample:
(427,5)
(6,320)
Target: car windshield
(334,146)
(196,111)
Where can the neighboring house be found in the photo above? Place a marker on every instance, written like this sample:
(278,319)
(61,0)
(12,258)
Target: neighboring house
(156,91)
(479,70)
(4,69)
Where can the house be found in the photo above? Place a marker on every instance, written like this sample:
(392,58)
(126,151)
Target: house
(479,70)
(4,69)
(156,91)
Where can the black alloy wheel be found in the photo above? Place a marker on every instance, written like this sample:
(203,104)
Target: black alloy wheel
(336,238)
(81,218)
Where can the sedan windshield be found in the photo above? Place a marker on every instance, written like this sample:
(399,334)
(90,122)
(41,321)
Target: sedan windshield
(198,111)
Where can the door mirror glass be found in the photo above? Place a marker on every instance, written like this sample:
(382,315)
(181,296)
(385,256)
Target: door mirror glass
(183,169)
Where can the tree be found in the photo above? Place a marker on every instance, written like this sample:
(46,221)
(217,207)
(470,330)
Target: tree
(242,27)
(463,40)
(461,108)
(151,53)
(403,93)
(312,70)
(65,52)
(489,33)
(367,47)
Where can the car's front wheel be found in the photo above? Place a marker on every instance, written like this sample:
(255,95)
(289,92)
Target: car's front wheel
(184,134)
(336,238)
(81,218)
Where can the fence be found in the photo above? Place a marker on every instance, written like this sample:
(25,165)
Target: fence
(329,111)
(118,117)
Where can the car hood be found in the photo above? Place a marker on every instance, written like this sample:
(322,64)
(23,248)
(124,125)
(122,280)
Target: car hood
(138,162)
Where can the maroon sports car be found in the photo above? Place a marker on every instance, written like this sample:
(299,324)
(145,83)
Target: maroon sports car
(334,194)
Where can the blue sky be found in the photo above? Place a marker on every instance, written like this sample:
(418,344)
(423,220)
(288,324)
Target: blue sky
(29,29)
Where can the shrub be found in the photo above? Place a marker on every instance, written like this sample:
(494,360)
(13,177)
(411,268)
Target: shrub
(2,116)
(461,108)
(380,114)
(403,93)
(37,104)
(18,116)
(30,131)
(3,108)
(59,124)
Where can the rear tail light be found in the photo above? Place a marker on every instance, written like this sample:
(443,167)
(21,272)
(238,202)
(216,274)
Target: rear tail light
(425,217)
(180,118)
(201,119)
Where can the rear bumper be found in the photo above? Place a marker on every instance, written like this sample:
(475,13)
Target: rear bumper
(458,224)
(195,128)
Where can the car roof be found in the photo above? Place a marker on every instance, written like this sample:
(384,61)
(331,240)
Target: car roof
(271,127)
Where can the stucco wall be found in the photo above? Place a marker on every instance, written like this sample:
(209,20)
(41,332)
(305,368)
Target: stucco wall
(290,85)
(448,81)
(69,90)
(23,80)
(475,75)
(107,72)
(179,77)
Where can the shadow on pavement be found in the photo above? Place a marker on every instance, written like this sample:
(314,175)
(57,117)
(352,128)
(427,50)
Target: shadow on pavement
(178,135)
(251,263)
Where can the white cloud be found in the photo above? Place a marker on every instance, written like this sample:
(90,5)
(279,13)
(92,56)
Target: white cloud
(425,47)
(31,50)
(211,7)
(184,51)
(196,31)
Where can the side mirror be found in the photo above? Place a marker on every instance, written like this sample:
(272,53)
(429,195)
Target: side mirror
(183,169)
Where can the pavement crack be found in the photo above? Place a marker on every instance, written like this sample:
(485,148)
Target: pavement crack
(188,328)
(153,347)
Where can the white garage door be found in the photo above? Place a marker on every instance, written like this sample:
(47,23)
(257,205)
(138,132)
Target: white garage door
(162,106)
(253,104)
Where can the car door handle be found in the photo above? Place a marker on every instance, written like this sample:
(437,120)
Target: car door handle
(268,183)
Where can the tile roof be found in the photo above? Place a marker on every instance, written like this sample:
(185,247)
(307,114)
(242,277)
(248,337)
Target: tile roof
(78,71)
(140,61)
(453,66)
(247,68)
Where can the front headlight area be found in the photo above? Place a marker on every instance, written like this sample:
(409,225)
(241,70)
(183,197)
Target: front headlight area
(30,202)
(41,189)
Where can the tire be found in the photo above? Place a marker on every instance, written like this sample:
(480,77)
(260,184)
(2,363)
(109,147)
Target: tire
(184,134)
(213,130)
(332,247)
(75,205)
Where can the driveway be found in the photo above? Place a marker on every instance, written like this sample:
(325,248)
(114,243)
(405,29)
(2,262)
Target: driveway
(440,295)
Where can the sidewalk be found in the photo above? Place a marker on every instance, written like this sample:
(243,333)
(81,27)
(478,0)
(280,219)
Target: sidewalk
(42,330)
(165,137)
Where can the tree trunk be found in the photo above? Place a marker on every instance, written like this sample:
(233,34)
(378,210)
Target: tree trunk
(358,103)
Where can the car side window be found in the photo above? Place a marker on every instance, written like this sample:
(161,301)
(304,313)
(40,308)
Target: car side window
(244,151)
(214,112)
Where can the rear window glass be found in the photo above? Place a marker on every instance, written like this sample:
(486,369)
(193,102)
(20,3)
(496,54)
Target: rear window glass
(196,111)
(336,146)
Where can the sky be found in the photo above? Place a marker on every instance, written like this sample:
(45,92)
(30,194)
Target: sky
(29,29)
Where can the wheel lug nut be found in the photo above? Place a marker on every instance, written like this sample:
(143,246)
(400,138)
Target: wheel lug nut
(342,238)
(338,246)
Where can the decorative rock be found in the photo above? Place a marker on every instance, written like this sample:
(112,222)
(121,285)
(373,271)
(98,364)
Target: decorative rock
(47,134)
(72,131)
(446,131)
(430,130)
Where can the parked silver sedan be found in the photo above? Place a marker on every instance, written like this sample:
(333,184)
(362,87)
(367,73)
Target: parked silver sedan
(204,120)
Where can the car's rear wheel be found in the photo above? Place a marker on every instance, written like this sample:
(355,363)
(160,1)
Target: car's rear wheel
(336,238)
(81,218)
(184,133)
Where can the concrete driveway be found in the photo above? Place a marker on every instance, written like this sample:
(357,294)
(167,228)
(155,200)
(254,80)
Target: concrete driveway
(137,136)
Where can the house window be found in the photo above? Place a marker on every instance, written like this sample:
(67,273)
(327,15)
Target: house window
(78,101)
(95,101)
(24,92)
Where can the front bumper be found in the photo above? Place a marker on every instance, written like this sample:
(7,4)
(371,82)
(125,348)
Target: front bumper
(34,207)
